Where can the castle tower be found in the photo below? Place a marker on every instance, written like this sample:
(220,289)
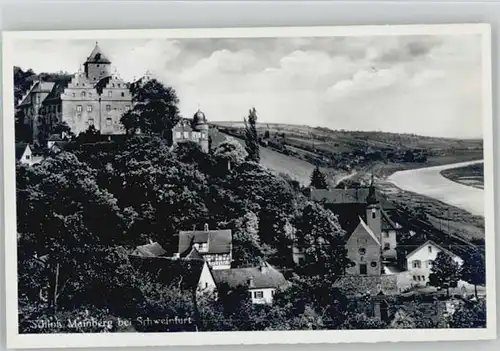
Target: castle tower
(200,125)
(97,65)
(373,213)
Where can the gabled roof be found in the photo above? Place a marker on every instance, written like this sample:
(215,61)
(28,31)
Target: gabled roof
(219,241)
(363,227)
(57,90)
(359,285)
(20,149)
(194,255)
(260,278)
(37,87)
(97,56)
(430,242)
(150,250)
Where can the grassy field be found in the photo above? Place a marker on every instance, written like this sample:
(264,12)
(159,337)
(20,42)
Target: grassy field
(472,175)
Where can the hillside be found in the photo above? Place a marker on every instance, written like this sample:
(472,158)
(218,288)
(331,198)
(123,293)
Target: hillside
(380,152)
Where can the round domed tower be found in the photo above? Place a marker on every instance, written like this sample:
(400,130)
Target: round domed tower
(200,125)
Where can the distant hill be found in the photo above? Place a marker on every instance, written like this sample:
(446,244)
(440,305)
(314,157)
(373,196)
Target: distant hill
(341,149)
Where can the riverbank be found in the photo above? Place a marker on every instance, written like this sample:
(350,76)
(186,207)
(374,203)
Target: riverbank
(472,175)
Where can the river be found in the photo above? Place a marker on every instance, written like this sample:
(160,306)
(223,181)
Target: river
(429,182)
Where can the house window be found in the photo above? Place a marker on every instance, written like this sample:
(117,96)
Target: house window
(362,269)
(123,94)
(178,135)
(417,264)
(428,264)
(89,108)
(91,121)
(387,246)
(418,277)
(79,115)
(273,292)
(373,264)
(423,278)
(186,135)
(83,94)
(110,93)
(415,278)
(362,250)
(258,294)
(109,121)
(78,108)
(108,107)
(28,157)
(386,234)
(374,214)
(206,285)
(430,248)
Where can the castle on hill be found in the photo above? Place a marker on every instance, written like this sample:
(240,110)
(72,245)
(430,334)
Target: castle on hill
(95,96)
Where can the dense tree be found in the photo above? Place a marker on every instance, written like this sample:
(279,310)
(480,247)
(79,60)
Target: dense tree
(63,130)
(318,179)
(319,233)
(445,272)
(473,269)
(231,151)
(23,130)
(402,321)
(246,242)
(470,315)
(89,136)
(155,110)
(251,136)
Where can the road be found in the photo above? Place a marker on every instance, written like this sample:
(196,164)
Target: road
(429,182)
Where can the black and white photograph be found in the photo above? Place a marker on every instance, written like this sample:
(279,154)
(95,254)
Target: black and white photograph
(279,184)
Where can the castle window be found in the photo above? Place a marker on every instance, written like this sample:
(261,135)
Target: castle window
(109,121)
(113,85)
(110,93)
(79,108)
(123,94)
(362,250)
(89,108)
(91,121)
(118,85)
(127,107)
(79,116)
(73,94)
(373,264)
(362,269)
(108,107)
(90,94)
(374,214)
(83,94)
(97,65)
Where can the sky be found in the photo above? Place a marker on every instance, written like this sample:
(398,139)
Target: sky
(427,85)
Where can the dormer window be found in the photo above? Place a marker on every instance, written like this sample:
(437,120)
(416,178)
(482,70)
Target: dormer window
(83,94)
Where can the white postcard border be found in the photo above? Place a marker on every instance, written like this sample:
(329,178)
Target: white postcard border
(16,340)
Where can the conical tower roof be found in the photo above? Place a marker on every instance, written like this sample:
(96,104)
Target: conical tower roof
(97,56)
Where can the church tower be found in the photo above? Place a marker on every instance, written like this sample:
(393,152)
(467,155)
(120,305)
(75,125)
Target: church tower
(373,213)
(97,65)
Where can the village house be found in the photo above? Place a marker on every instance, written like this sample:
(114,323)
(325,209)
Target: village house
(364,250)
(215,246)
(190,272)
(262,282)
(419,261)
(26,154)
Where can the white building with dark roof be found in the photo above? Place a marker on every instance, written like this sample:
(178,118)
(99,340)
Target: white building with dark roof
(261,282)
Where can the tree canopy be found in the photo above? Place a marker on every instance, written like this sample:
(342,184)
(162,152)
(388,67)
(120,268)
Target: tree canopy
(251,136)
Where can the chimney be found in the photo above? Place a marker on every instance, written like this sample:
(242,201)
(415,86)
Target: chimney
(206,227)
(250,283)
(151,241)
(263,266)
(194,227)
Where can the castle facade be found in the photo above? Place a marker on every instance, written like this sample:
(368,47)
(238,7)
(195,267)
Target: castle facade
(95,95)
